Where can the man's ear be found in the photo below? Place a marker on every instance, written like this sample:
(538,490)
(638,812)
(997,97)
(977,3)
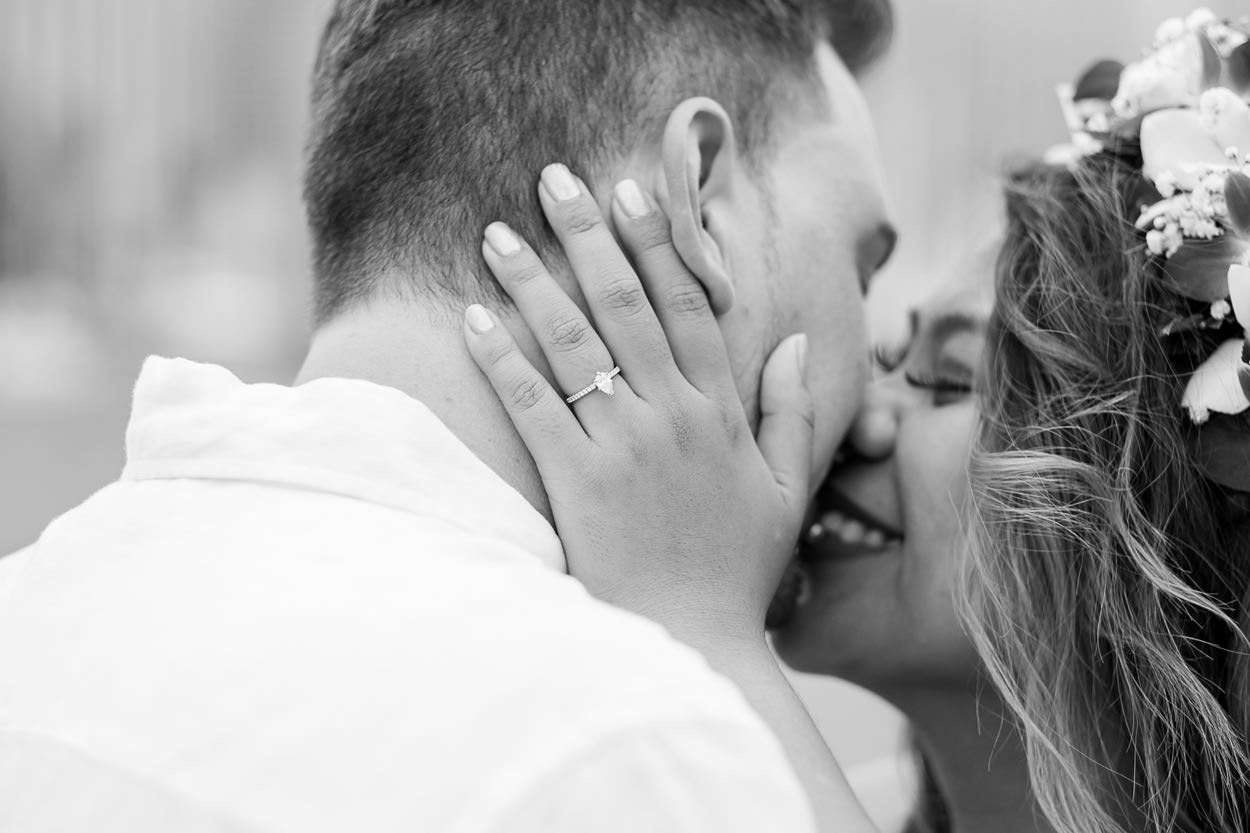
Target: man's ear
(700,165)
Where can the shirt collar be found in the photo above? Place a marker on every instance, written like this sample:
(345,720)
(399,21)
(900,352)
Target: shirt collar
(345,436)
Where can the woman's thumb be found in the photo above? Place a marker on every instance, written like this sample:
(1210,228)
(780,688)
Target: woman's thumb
(787,420)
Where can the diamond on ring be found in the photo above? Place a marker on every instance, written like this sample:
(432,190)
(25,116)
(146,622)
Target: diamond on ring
(602,382)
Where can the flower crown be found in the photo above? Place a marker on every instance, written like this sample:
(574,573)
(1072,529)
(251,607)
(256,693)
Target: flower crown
(1186,104)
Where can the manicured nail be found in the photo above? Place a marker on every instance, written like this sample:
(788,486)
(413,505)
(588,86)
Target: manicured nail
(560,183)
(479,319)
(501,239)
(633,203)
(800,351)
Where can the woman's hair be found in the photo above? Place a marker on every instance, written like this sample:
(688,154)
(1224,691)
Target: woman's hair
(1107,587)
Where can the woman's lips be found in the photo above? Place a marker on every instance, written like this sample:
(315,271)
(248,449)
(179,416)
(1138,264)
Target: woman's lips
(842,529)
(852,532)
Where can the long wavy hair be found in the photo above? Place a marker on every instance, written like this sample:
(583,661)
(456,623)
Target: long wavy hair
(1107,585)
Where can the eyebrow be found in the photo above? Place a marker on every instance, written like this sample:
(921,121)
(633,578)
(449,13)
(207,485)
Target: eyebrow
(944,326)
(952,323)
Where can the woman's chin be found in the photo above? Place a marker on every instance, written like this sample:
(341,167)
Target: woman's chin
(822,620)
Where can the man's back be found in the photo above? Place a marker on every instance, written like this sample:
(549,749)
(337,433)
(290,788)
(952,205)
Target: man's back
(311,609)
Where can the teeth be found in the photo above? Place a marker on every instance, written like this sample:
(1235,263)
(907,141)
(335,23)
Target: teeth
(805,589)
(832,521)
(849,531)
(852,532)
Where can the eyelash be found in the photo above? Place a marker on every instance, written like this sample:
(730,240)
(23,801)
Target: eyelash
(944,391)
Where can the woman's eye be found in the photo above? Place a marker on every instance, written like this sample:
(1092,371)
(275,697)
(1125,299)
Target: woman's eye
(946,391)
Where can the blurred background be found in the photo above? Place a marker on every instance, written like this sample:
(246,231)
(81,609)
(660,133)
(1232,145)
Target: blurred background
(150,155)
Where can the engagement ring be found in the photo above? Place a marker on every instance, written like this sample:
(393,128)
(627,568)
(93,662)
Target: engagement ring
(603,382)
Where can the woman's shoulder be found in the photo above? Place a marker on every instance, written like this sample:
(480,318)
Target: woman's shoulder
(887,789)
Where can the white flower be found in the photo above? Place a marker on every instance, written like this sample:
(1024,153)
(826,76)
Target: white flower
(1098,123)
(1226,39)
(1215,386)
(1176,142)
(1200,18)
(1166,184)
(1150,85)
(1199,203)
(1239,292)
(1169,30)
(1218,103)
(1213,182)
(1156,242)
(1220,310)
(1066,156)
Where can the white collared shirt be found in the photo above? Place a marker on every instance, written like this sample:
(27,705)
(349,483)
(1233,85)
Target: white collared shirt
(313,609)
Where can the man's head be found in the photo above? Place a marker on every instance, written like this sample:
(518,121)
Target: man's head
(432,118)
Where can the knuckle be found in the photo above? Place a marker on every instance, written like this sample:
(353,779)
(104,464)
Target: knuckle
(652,234)
(731,421)
(580,218)
(497,354)
(525,393)
(684,428)
(567,334)
(526,272)
(623,297)
(806,411)
(687,299)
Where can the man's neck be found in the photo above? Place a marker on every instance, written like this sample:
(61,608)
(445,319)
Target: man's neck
(977,761)
(421,352)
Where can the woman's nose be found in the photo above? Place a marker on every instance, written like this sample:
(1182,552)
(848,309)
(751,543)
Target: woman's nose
(875,429)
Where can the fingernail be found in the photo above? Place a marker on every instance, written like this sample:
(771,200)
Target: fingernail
(479,319)
(501,239)
(560,183)
(633,203)
(800,351)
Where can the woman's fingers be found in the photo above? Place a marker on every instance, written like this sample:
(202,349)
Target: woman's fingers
(679,300)
(617,300)
(787,421)
(542,419)
(572,347)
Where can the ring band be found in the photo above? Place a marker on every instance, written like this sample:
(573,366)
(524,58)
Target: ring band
(603,382)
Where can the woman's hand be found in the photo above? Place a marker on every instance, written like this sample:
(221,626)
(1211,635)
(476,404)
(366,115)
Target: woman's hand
(666,503)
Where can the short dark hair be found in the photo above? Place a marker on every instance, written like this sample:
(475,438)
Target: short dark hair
(432,118)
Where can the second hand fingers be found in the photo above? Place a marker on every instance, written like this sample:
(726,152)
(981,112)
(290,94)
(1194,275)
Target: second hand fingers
(679,299)
(549,429)
(572,347)
(622,312)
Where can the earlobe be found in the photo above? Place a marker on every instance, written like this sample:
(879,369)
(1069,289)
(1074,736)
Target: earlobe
(700,168)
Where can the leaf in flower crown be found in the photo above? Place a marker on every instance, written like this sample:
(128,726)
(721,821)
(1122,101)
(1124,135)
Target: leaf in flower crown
(1101,81)
(1238,69)
(1176,142)
(1212,63)
(1199,269)
(1216,385)
(1224,451)
(1141,193)
(1237,198)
